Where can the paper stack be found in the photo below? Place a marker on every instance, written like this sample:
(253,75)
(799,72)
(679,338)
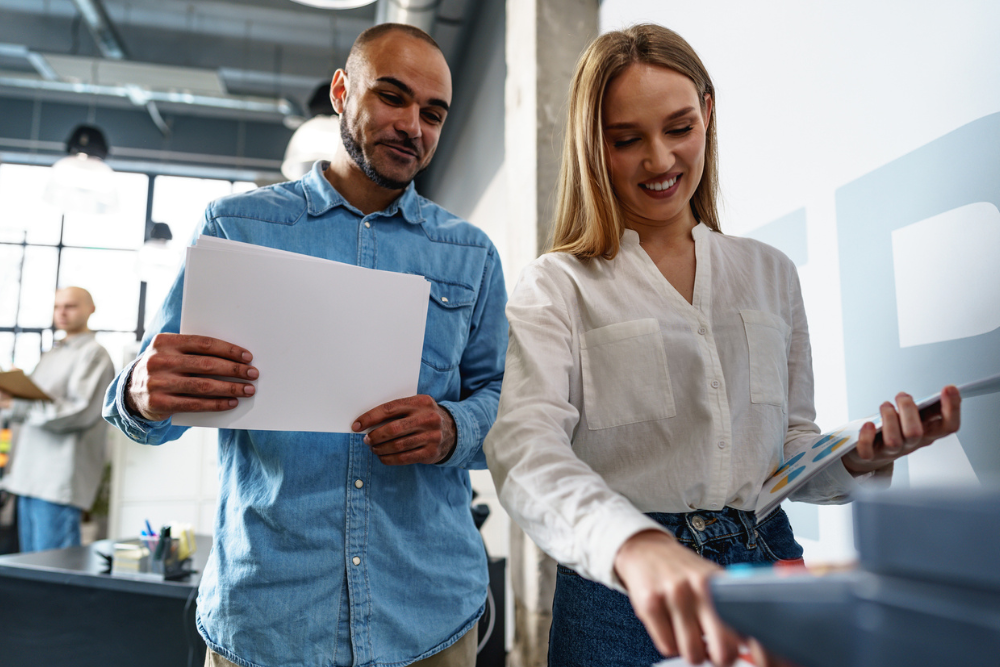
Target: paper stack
(331,340)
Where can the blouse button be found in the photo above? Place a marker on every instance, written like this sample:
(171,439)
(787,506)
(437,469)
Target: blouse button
(703,331)
(722,444)
(715,384)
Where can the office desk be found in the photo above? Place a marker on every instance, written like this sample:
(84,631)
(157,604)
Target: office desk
(57,609)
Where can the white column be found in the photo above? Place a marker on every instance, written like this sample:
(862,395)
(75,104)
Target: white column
(544,40)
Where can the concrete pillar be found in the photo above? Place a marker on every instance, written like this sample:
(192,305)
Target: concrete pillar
(544,40)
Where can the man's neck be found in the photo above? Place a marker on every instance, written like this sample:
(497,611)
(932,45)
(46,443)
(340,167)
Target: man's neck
(75,333)
(354,186)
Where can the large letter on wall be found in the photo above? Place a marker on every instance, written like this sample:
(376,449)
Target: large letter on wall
(936,186)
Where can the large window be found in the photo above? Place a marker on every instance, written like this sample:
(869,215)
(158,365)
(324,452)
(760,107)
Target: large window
(42,250)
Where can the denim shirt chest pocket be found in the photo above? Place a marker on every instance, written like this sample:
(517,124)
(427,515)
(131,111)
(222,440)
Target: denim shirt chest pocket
(767,341)
(448,316)
(625,374)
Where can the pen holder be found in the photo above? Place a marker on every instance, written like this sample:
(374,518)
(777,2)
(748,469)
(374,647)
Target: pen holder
(165,560)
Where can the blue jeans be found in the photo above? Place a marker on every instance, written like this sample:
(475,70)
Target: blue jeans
(43,525)
(594,625)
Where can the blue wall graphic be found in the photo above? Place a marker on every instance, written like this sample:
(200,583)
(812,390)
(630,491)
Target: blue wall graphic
(960,168)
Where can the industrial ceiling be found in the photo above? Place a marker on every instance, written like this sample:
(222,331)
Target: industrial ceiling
(181,86)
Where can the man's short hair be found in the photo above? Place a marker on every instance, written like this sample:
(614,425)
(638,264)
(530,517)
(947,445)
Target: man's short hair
(376,31)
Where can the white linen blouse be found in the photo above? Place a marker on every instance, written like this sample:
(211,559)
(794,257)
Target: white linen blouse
(620,397)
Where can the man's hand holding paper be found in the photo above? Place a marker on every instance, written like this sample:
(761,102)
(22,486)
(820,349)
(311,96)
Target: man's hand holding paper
(409,430)
(184,373)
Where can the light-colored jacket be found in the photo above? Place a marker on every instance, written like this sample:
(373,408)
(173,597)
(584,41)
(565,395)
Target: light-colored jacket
(59,455)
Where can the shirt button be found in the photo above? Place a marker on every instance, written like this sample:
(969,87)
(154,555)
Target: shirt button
(356,560)
(703,331)
(722,444)
(444,299)
(358,483)
(715,384)
(367,224)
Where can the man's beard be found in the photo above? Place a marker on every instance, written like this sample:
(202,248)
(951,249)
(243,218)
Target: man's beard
(354,150)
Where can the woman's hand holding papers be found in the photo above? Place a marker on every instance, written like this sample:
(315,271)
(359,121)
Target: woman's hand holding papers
(410,430)
(169,376)
(903,432)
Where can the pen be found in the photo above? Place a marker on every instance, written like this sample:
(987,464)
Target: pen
(149,529)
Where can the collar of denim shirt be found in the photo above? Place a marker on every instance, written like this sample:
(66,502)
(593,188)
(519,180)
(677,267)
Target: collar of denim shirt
(321,196)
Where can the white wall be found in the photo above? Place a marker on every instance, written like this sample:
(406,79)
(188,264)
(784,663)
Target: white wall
(852,134)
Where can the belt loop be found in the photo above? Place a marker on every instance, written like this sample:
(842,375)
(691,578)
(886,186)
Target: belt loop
(749,525)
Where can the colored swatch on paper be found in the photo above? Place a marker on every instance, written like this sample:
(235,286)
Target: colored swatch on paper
(785,481)
(788,464)
(832,448)
(827,438)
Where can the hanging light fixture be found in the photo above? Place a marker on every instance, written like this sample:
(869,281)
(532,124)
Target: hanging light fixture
(335,4)
(82,182)
(315,139)
(156,258)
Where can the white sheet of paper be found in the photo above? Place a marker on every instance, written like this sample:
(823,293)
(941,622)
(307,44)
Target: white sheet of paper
(331,340)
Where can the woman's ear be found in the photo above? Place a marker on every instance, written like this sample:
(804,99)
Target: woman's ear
(707,110)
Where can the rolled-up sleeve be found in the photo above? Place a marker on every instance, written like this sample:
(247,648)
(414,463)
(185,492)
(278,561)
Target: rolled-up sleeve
(167,320)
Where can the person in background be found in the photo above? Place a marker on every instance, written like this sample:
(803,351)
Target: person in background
(58,460)
(658,373)
(346,548)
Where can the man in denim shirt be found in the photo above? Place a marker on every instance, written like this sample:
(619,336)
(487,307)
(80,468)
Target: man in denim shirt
(346,549)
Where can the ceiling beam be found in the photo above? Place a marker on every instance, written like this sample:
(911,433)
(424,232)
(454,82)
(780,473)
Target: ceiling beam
(101,28)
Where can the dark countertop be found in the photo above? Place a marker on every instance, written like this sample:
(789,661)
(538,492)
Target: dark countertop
(83,566)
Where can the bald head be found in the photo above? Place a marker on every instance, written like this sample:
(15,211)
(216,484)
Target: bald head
(360,48)
(72,310)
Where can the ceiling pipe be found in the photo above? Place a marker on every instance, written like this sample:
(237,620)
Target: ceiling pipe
(141,97)
(418,13)
(103,31)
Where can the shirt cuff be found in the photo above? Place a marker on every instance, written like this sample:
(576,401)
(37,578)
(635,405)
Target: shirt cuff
(135,427)
(468,438)
(878,478)
(614,529)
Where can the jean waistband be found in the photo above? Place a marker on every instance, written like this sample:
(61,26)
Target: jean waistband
(703,526)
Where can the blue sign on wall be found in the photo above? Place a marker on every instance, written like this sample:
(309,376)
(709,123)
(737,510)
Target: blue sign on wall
(960,168)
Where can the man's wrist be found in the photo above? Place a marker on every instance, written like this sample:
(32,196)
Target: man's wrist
(451,430)
(130,405)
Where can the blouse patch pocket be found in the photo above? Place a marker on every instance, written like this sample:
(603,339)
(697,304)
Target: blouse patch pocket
(625,375)
(767,338)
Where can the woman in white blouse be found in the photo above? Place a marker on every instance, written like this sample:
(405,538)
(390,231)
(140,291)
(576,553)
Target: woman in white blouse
(658,372)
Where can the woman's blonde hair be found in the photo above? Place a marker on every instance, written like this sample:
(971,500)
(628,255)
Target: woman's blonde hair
(589,220)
